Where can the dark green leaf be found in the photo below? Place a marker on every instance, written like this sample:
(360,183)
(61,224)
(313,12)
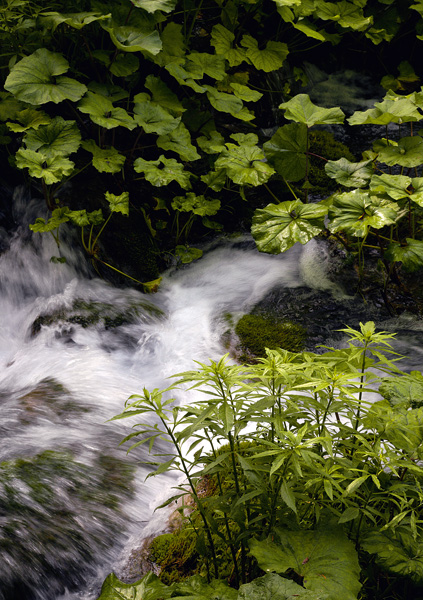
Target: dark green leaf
(349,174)
(275,587)
(286,151)
(356,211)
(187,254)
(59,137)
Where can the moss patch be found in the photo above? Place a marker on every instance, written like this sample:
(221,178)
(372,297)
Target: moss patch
(256,333)
(322,143)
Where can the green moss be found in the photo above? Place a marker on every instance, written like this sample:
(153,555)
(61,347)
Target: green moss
(323,144)
(256,333)
(176,555)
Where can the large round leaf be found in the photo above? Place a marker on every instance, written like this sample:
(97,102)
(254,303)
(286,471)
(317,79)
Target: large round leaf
(245,164)
(286,151)
(103,113)
(105,160)
(152,117)
(348,173)
(301,109)
(407,153)
(279,226)
(59,137)
(162,171)
(179,141)
(131,39)
(29,118)
(52,169)
(275,587)
(38,79)
(198,205)
(355,212)
(410,254)
(393,109)
(398,187)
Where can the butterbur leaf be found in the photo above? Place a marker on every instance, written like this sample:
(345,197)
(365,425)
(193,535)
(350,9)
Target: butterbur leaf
(198,205)
(103,113)
(406,390)
(406,153)
(397,551)
(52,169)
(118,203)
(277,227)
(275,587)
(186,74)
(398,187)
(357,211)
(187,254)
(162,171)
(222,40)
(58,216)
(179,141)
(325,558)
(196,588)
(243,92)
(215,180)
(228,103)
(153,118)
(79,217)
(213,143)
(29,118)
(211,65)
(245,164)
(173,46)
(163,96)
(393,109)
(349,174)
(38,79)
(347,14)
(148,588)
(270,58)
(124,65)
(10,107)
(105,160)
(75,20)
(152,6)
(113,92)
(301,109)
(59,137)
(130,39)
(286,151)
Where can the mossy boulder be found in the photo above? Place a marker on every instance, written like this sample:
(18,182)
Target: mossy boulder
(176,554)
(257,332)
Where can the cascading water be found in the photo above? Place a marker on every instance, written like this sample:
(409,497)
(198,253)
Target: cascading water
(72,350)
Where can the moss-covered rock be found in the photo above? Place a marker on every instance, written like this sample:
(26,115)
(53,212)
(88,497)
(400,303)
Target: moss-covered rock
(256,333)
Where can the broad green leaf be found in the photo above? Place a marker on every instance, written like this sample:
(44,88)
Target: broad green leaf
(113,92)
(152,6)
(9,106)
(162,171)
(187,254)
(29,118)
(301,109)
(179,141)
(118,203)
(404,429)
(198,205)
(393,109)
(349,174)
(103,113)
(409,254)
(211,65)
(346,14)
(82,219)
(311,30)
(222,40)
(163,96)
(325,558)
(186,74)
(406,153)
(148,588)
(196,588)
(245,164)
(38,79)
(286,151)
(356,211)
(215,180)
(75,20)
(275,587)
(59,137)
(58,216)
(270,58)
(277,227)
(213,143)
(124,64)
(173,46)
(406,390)
(398,187)
(228,103)
(243,92)
(130,39)
(397,551)
(105,160)
(52,169)
(153,118)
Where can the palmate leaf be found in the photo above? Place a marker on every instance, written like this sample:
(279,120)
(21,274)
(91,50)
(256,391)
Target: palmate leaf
(398,187)
(244,164)
(130,39)
(103,113)
(38,79)
(82,219)
(286,151)
(118,203)
(148,588)
(277,227)
(211,65)
(29,118)
(406,390)
(275,587)
(196,588)
(52,169)
(222,40)
(348,173)
(162,171)
(355,212)
(59,137)
(198,205)
(152,117)
(325,558)
(58,216)
(186,73)
(406,153)
(397,551)
(228,103)
(212,143)
(301,109)
(410,254)
(152,6)
(179,141)
(269,59)
(187,254)
(347,14)
(163,96)
(393,109)
(105,160)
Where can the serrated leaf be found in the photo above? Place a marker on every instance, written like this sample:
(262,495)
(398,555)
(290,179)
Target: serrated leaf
(325,558)
(29,118)
(179,141)
(347,14)
(187,254)
(393,109)
(270,58)
(277,227)
(356,211)
(105,160)
(301,109)
(245,164)
(162,171)
(348,173)
(286,151)
(222,40)
(148,588)
(152,6)
(153,118)
(211,65)
(213,143)
(406,153)
(52,169)
(198,205)
(215,180)
(275,587)
(103,113)
(118,203)
(58,216)
(38,79)
(406,390)
(58,137)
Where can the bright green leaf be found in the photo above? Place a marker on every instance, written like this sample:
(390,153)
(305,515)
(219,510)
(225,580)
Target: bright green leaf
(59,137)
(118,203)
(29,118)
(349,174)
(406,153)
(163,96)
(162,171)
(75,20)
(130,39)
(187,254)
(153,118)
(152,6)
(245,164)
(222,40)
(58,216)
(270,58)
(275,587)
(302,110)
(198,205)
(52,169)
(179,141)
(406,390)
(228,103)
(103,113)
(105,160)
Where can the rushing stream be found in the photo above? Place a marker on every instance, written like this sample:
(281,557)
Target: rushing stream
(72,350)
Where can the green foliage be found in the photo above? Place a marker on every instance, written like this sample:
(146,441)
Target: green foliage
(256,333)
